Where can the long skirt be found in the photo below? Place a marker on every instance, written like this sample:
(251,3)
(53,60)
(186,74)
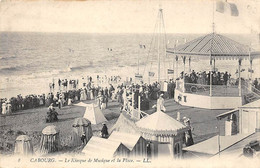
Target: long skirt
(3,109)
(69,102)
(103,106)
(91,96)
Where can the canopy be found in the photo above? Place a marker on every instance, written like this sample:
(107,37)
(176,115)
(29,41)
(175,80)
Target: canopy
(129,140)
(51,129)
(98,147)
(254,104)
(237,149)
(93,113)
(216,45)
(223,115)
(211,146)
(81,122)
(23,138)
(160,122)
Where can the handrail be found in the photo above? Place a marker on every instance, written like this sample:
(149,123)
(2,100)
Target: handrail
(253,89)
(257,95)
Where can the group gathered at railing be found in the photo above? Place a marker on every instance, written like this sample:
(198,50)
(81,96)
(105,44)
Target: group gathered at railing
(203,78)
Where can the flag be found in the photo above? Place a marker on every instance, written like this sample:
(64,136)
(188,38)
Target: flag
(220,6)
(225,7)
(170,71)
(138,76)
(234,10)
(242,70)
(151,74)
(250,70)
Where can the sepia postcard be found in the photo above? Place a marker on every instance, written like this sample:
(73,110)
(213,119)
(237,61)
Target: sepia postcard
(129,83)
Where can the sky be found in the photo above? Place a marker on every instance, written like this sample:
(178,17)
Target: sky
(117,16)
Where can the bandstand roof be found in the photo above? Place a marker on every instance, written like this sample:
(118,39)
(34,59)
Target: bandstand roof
(159,121)
(219,46)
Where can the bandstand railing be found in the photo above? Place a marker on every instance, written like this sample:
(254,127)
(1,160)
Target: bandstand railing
(200,89)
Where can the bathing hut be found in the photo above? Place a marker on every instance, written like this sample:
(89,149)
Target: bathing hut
(81,126)
(134,142)
(164,133)
(23,145)
(100,147)
(50,140)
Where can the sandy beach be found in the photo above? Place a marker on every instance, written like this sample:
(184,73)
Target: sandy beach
(32,122)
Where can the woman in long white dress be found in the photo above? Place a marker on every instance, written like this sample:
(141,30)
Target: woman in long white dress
(9,108)
(4,108)
(81,95)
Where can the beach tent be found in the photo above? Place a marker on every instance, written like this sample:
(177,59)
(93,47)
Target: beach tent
(49,140)
(100,147)
(164,132)
(80,126)
(23,145)
(125,124)
(134,142)
(93,113)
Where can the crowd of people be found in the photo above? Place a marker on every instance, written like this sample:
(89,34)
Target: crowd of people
(68,91)
(203,78)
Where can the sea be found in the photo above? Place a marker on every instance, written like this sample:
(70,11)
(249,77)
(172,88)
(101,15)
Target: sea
(29,61)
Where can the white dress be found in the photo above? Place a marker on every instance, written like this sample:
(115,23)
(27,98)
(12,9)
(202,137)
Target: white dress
(9,108)
(69,102)
(4,108)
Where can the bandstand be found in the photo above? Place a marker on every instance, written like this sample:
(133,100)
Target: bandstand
(213,47)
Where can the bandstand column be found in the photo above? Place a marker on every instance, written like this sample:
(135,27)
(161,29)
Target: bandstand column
(189,64)
(184,60)
(214,65)
(176,67)
(210,78)
(251,70)
(239,78)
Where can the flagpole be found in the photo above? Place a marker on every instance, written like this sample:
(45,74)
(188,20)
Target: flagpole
(158,43)
(138,59)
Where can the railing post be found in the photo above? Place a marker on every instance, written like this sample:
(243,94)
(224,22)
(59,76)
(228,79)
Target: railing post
(184,59)
(239,78)
(251,72)
(139,106)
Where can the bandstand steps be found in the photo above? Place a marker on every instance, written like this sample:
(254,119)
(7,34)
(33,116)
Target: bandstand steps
(251,97)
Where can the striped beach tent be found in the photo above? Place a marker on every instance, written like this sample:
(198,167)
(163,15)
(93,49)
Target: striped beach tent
(80,126)
(50,140)
(23,145)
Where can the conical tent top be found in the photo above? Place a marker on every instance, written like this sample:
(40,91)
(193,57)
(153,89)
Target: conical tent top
(23,138)
(159,121)
(50,130)
(81,122)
